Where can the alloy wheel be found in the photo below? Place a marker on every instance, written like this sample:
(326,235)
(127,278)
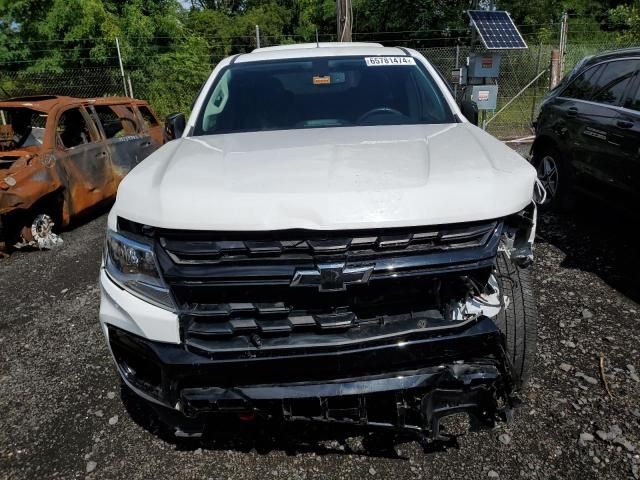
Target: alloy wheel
(548,175)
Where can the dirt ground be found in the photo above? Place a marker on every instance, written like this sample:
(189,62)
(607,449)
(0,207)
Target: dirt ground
(63,414)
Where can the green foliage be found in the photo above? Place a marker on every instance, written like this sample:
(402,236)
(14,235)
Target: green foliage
(403,15)
(169,49)
(627,19)
(236,33)
(541,12)
(173,78)
(314,14)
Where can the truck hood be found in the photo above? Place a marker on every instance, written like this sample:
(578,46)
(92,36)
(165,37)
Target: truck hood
(327,179)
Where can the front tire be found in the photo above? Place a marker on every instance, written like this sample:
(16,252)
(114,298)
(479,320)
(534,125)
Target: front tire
(518,318)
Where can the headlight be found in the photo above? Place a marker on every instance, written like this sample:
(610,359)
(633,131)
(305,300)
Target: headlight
(132,265)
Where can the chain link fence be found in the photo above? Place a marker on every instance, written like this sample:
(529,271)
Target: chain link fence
(518,68)
(75,82)
(517,89)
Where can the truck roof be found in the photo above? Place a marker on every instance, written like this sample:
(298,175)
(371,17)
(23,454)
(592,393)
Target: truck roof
(322,49)
(296,46)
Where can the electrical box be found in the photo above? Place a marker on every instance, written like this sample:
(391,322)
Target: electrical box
(485,96)
(459,76)
(483,65)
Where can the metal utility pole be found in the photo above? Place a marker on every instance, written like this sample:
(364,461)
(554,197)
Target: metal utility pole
(345,20)
(455,85)
(564,30)
(124,80)
(130,87)
(257,36)
(554,78)
(535,90)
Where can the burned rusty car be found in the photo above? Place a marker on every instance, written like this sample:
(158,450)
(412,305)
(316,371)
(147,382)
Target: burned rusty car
(62,156)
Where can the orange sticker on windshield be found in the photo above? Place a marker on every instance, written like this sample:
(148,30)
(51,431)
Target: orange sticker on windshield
(322,80)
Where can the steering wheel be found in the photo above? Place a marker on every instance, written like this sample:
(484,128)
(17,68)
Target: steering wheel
(373,111)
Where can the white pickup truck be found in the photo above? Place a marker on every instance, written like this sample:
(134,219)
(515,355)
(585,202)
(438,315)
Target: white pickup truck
(328,238)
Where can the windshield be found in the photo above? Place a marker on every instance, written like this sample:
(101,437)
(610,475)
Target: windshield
(21,127)
(322,92)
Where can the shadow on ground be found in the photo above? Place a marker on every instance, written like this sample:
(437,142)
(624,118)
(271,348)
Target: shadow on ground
(600,238)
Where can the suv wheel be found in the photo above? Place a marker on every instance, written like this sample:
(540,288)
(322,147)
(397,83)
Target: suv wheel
(518,318)
(554,175)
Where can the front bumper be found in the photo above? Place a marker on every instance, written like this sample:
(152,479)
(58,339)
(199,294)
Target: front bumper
(409,383)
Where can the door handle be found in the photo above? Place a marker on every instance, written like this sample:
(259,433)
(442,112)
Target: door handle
(625,124)
(572,112)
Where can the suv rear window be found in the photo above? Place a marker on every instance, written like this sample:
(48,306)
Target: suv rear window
(604,83)
(633,100)
(614,80)
(583,86)
(149,120)
(321,92)
(115,125)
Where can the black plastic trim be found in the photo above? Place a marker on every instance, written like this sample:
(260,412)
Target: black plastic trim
(406,385)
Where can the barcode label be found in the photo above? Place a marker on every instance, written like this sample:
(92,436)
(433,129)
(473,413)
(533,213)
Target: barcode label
(389,61)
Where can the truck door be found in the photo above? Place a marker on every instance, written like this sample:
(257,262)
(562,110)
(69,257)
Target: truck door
(122,136)
(153,131)
(84,158)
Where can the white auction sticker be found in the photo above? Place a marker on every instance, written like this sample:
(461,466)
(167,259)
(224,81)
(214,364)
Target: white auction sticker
(388,61)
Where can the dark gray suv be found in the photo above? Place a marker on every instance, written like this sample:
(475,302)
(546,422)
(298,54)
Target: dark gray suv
(588,130)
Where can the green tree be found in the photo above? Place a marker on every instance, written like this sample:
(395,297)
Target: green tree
(227,33)
(172,80)
(626,18)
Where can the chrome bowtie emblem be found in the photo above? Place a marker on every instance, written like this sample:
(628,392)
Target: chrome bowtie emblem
(332,277)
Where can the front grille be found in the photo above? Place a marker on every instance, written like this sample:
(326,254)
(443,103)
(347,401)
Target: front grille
(236,291)
(219,248)
(308,317)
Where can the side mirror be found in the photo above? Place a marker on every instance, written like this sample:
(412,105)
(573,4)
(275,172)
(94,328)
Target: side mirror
(469,109)
(174,125)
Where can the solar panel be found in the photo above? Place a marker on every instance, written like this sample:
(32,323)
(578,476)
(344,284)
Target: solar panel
(497,30)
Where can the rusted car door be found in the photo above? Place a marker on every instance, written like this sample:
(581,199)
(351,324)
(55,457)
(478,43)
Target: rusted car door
(83,155)
(122,132)
(153,130)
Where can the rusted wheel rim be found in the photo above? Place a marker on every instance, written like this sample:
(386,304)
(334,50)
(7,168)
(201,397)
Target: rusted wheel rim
(39,232)
(41,227)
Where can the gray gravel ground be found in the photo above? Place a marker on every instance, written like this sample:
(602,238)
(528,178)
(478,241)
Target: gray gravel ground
(63,414)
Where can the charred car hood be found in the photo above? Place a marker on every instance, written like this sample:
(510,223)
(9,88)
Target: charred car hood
(9,157)
(327,179)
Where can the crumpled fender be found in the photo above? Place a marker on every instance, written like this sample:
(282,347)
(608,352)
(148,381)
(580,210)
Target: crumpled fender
(30,178)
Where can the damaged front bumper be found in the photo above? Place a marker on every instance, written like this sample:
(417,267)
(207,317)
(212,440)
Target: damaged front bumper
(409,384)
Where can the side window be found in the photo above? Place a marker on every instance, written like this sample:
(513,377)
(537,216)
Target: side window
(148,117)
(614,80)
(633,100)
(114,126)
(217,102)
(72,128)
(130,121)
(583,86)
